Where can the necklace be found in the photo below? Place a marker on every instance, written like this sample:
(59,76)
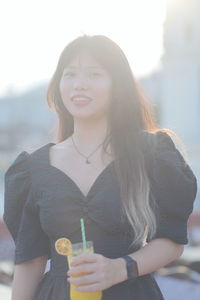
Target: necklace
(87,161)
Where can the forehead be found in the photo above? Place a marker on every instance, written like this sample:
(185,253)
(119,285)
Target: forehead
(83,60)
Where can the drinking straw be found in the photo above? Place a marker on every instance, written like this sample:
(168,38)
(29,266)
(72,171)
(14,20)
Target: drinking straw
(83,233)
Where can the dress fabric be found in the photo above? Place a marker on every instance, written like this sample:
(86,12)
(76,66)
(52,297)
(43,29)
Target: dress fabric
(42,204)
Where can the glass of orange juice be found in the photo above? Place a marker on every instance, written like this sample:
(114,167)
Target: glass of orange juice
(76,295)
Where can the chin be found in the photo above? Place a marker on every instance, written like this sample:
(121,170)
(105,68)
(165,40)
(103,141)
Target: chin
(83,116)
(86,115)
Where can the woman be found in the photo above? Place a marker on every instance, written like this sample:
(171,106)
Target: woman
(111,166)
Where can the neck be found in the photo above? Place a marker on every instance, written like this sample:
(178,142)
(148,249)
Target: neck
(88,135)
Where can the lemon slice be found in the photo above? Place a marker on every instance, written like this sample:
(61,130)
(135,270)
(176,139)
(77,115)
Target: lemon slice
(63,246)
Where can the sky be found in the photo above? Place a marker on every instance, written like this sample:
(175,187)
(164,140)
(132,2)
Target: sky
(34,33)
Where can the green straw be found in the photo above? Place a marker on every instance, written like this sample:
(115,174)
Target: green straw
(83,234)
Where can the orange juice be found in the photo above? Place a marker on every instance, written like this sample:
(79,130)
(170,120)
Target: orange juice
(76,295)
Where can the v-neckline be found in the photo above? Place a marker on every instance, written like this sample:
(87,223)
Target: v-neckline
(62,173)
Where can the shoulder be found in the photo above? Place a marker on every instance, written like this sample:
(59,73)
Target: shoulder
(19,167)
(165,163)
(160,145)
(25,161)
(18,183)
(157,146)
(152,140)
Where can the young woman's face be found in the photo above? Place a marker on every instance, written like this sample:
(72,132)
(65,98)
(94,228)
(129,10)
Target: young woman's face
(85,87)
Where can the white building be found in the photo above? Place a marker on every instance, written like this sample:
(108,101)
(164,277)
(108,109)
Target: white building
(177,84)
(180,86)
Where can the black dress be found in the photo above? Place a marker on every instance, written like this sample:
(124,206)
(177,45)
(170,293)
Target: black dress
(42,204)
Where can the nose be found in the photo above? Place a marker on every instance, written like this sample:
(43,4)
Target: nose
(81,82)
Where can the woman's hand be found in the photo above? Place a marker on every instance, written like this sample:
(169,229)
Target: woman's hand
(103,272)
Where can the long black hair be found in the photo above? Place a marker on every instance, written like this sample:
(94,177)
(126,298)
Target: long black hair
(127,118)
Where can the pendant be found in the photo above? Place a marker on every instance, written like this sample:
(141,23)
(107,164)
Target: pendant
(87,161)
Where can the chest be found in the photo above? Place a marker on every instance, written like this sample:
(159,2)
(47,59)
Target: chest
(83,174)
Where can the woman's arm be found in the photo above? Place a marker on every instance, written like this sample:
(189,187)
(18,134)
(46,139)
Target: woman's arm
(156,254)
(102,272)
(26,278)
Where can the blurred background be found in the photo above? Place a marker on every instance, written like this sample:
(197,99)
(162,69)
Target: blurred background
(161,39)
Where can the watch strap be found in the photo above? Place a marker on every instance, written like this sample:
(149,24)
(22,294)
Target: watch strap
(131,267)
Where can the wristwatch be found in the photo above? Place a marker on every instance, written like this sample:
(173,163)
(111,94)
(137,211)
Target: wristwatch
(131,267)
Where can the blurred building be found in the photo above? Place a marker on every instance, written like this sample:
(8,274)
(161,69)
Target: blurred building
(25,123)
(175,87)
(180,87)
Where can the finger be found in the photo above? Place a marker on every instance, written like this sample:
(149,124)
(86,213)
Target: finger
(88,288)
(82,268)
(85,279)
(84,257)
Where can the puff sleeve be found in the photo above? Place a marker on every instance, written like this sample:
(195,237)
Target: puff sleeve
(20,215)
(173,189)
